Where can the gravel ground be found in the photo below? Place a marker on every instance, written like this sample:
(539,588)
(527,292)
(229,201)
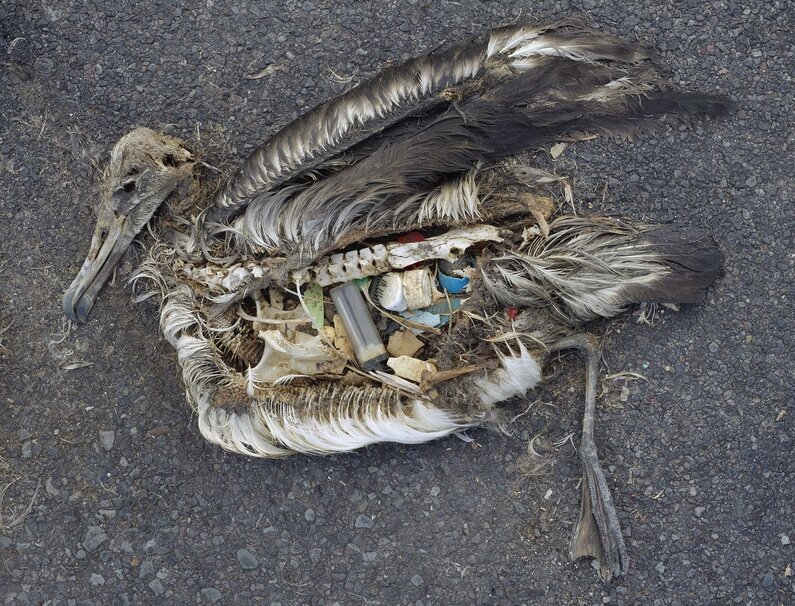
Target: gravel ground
(130,506)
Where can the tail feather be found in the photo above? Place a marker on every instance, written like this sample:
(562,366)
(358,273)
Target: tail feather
(693,262)
(592,267)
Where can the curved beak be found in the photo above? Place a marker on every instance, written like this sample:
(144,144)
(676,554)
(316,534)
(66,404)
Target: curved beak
(112,237)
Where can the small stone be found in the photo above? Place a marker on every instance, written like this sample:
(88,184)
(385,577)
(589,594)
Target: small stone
(211,595)
(96,580)
(51,490)
(700,511)
(713,347)
(106,439)
(27,449)
(751,181)
(147,568)
(93,538)
(156,586)
(248,560)
(785,539)
(417,580)
(44,65)
(435,491)
(309,515)
(746,214)
(363,521)
(660,567)
(768,580)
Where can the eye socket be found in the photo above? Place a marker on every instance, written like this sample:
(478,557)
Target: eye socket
(129,186)
(169,160)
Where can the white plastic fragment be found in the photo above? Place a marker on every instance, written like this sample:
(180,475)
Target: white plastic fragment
(410,368)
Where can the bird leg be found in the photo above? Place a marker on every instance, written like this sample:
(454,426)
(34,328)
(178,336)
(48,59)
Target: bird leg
(597,533)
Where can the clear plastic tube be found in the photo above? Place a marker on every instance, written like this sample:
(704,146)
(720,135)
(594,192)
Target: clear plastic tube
(362,333)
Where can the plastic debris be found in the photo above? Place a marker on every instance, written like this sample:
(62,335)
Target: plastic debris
(363,335)
(403,343)
(313,300)
(409,368)
(452,284)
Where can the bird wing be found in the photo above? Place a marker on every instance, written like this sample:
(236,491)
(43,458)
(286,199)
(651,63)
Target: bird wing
(420,86)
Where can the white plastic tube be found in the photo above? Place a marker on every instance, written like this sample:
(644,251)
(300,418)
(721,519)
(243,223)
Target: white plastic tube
(362,333)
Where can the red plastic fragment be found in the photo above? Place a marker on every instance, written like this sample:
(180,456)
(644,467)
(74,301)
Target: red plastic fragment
(512,313)
(412,236)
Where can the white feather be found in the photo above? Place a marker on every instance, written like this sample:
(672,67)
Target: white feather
(518,375)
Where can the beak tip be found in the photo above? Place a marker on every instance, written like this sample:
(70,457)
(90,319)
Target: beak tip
(83,307)
(76,313)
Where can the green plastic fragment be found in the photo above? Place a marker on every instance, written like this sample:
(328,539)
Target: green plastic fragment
(313,299)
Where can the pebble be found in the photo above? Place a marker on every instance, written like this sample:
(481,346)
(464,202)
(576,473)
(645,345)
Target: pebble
(93,538)
(96,580)
(363,521)
(44,65)
(248,560)
(785,539)
(417,580)
(106,439)
(660,567)
(156,586)
(700,511)
(211,595)
(146,569)
(309,515)
(768,580)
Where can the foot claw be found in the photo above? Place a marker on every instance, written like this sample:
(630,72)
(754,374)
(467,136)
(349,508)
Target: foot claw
(597,533)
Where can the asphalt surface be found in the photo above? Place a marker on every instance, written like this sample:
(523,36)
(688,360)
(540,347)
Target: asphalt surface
(133,507)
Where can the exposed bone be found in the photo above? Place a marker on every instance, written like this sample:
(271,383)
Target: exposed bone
(367,262)
(282,358)
(449,246)
(269,317)
(350,265)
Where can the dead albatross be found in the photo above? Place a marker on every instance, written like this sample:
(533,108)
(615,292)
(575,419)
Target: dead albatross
(382,269)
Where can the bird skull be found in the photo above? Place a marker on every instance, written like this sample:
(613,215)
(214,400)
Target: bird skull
(145,169)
